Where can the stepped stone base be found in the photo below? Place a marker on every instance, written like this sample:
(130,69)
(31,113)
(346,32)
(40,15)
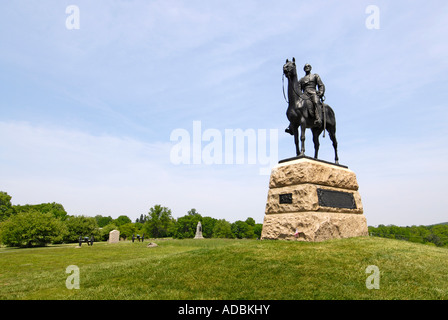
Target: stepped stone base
(312,200)
(313,226)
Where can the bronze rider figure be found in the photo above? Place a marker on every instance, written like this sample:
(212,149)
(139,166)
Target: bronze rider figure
(307,86)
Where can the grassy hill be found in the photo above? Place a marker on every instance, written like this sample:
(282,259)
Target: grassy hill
(228,269)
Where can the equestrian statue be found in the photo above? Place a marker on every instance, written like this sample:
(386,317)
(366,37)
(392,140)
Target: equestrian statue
(306,108)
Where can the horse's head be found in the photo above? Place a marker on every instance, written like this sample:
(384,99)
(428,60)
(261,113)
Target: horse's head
(289,68)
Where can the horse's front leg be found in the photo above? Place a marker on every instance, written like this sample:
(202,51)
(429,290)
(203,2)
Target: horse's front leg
(295,131)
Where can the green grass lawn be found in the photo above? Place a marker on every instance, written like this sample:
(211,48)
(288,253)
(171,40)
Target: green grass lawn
(227,269)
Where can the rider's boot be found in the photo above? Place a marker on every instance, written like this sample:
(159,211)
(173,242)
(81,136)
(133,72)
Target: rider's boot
(318,120)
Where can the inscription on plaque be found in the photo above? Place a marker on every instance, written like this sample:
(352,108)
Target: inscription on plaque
(285,198)
(336,199)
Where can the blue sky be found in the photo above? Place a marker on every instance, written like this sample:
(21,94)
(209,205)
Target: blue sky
(86,115)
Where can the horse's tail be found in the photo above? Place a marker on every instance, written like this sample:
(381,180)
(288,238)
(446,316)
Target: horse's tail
(330,114)
(329,117)
(325,117)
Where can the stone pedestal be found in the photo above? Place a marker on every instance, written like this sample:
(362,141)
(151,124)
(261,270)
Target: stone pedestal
(313,200)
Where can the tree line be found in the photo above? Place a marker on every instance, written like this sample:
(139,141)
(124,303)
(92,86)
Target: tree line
(434,234)
(42,224)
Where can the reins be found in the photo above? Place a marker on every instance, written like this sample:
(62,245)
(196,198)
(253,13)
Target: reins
(283,85)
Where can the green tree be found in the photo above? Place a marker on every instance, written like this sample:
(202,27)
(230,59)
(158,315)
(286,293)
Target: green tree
(192,212)
(208,223)
(185,227)
(434,235)
(241,230)
(138,227)
(122,220)
(434,239)
(222,229)
(250,221)
(56,209)
(6,209)
(31,228)
(142,219)
(80,226)
(257,230)
(103,221)
(129,229)
(441,231)
(159,222)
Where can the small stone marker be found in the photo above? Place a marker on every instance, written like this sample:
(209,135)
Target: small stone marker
(199,231)
(114,236)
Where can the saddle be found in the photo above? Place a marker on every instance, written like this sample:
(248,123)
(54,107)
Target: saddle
(307,108)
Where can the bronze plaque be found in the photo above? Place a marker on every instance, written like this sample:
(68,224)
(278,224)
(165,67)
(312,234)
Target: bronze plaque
(285,198)
(336,199)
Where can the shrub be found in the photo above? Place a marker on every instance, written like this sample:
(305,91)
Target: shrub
(241,229)
(31,228)
(223,229)
(80,226)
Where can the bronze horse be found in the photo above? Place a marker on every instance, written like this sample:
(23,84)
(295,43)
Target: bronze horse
(300,114)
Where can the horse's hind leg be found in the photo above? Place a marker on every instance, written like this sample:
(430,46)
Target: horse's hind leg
(316,134)
(332,131)
(302,137)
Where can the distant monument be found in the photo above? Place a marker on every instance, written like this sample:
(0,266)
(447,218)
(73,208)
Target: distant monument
(199,231)
(114,236)
(311,199)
